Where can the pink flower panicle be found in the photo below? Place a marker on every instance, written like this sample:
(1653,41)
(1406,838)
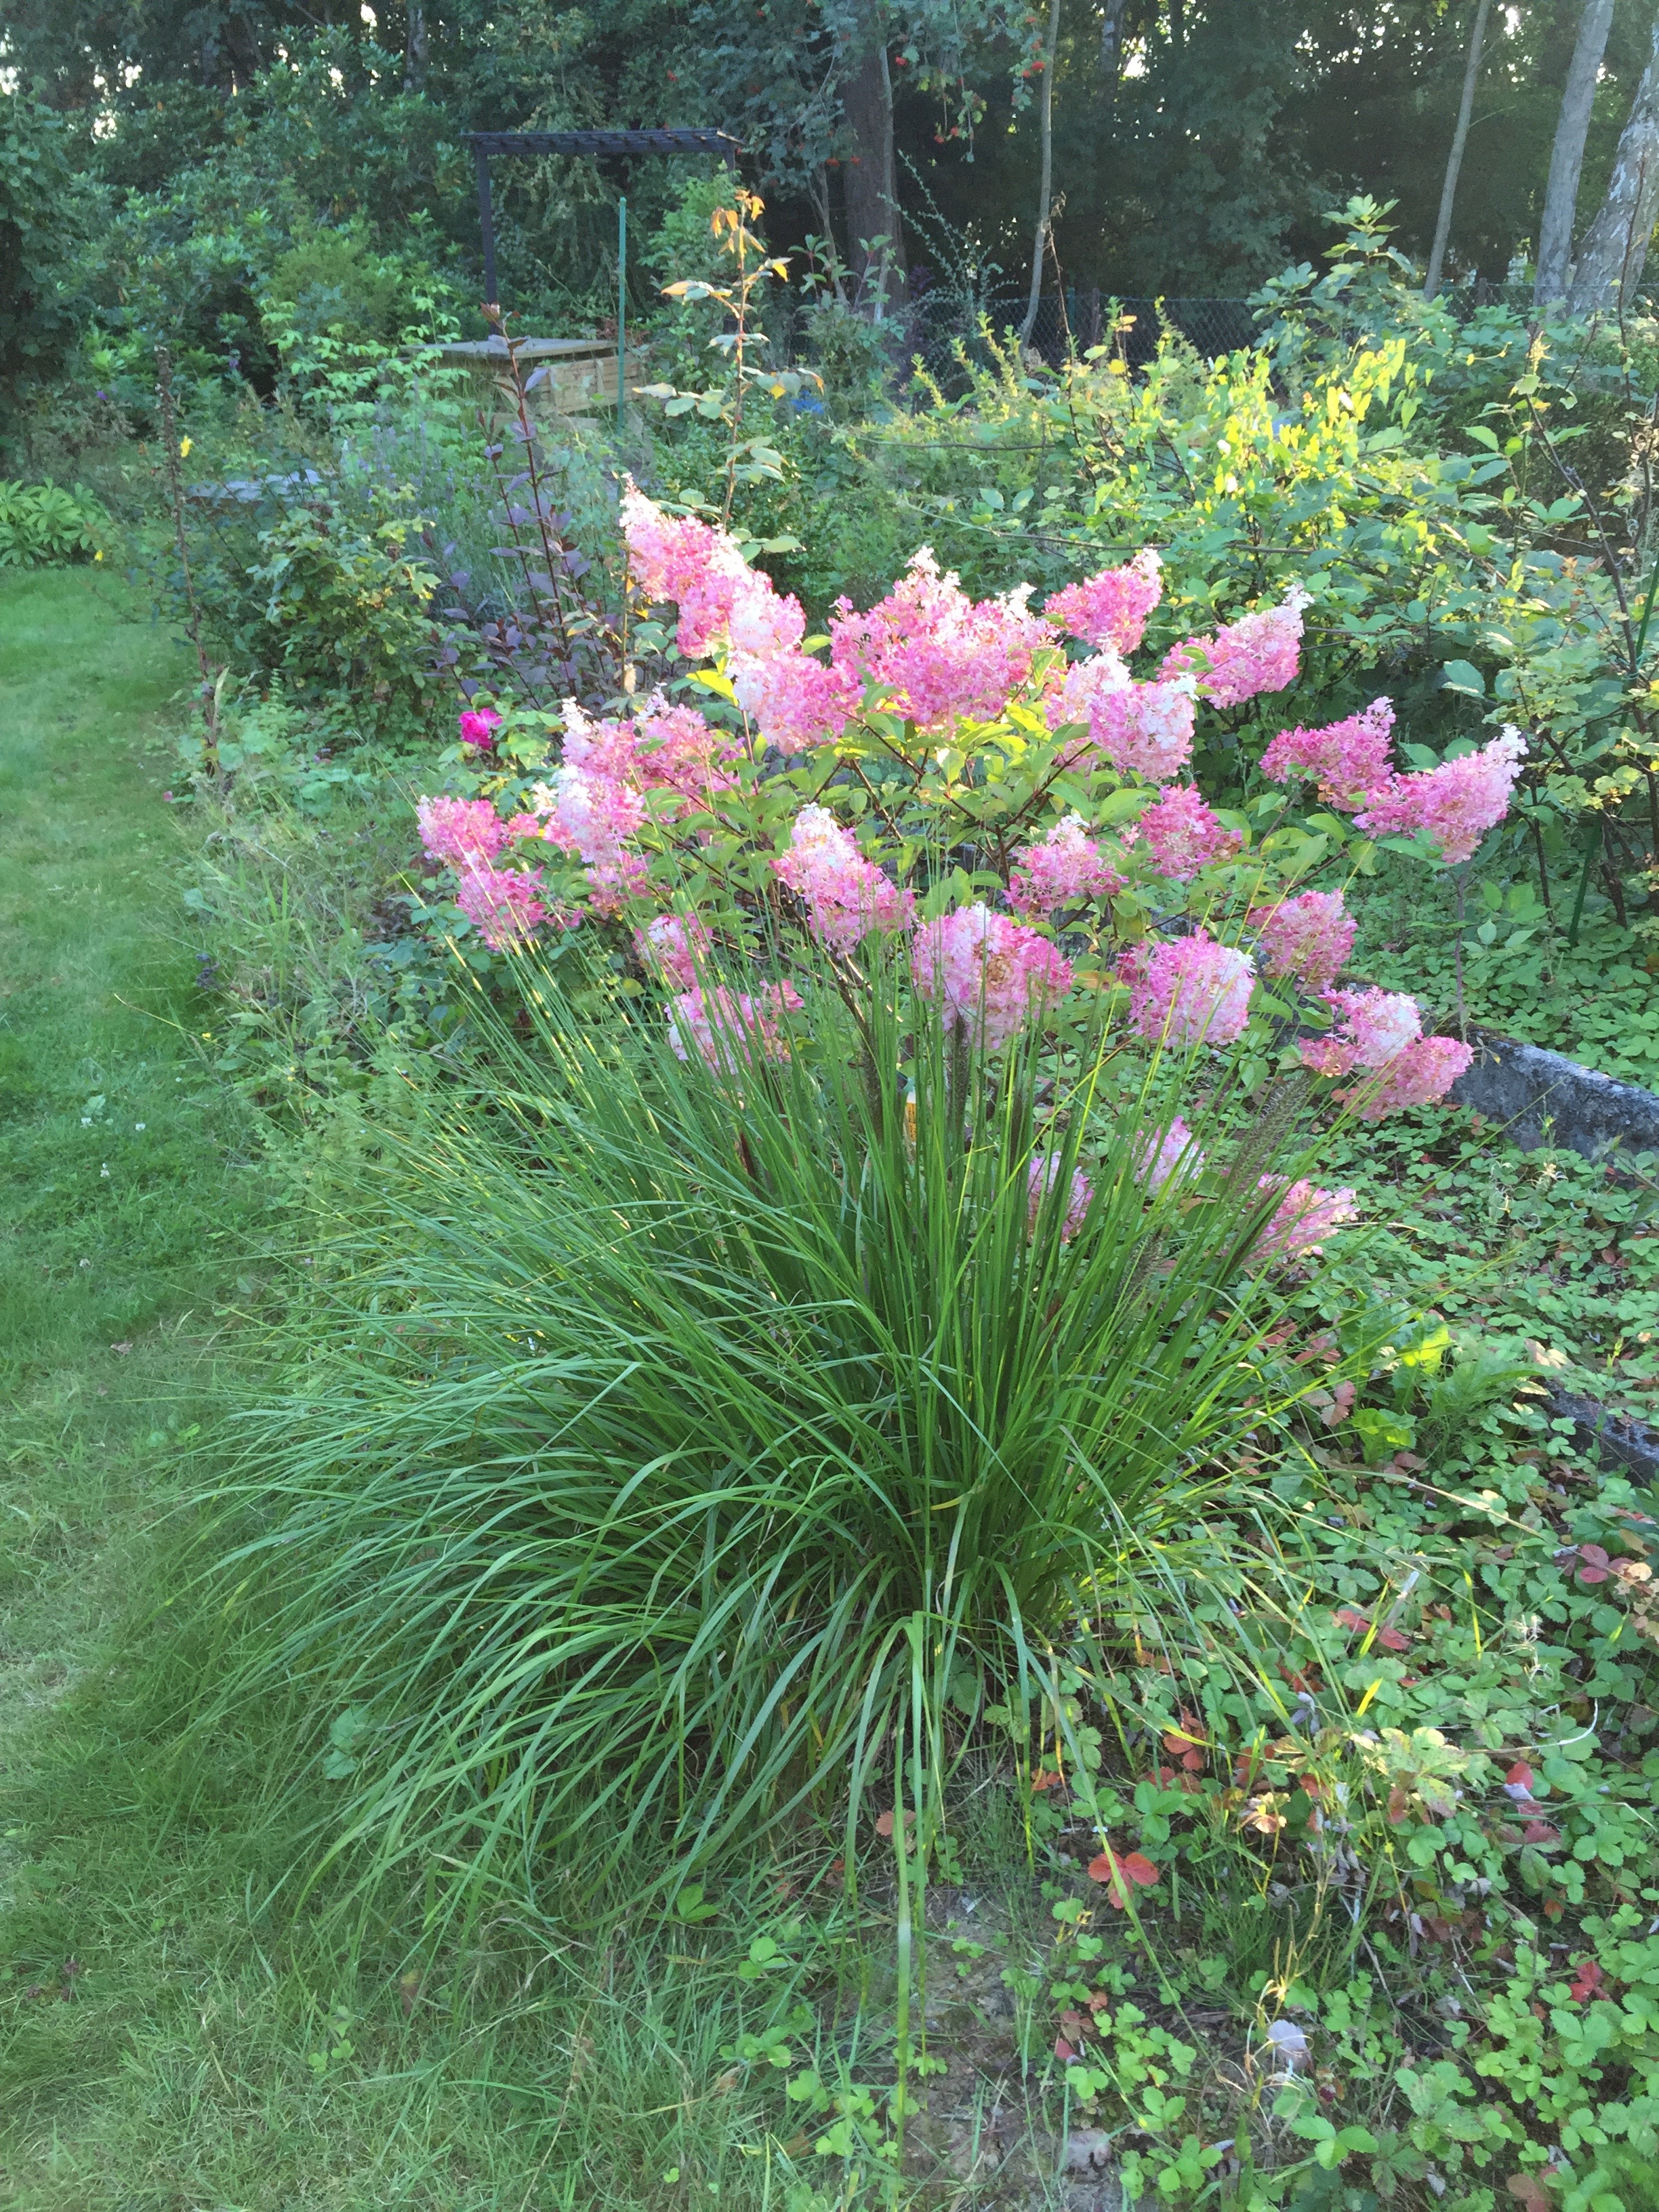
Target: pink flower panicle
(1158,1158)
(1306,939)
(1348,759)
(1371,1028)
(462,832)
(992,974)
(1261,651)
(1111,608)
(1182,834)
(1191,991)
(1456,803)
(1143,729)
(730,1030)
(478,727)
(792,699)
(1040,1179)
(1423,1073)
(1067,865)
(721,599)
(937,653)
(674,947)
(846,895)
(1304,1218)
(677,748)
(503,904)
(1380,1033)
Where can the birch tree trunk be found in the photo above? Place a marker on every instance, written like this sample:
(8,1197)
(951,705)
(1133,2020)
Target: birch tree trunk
(1616,246)
(414,48)
(1111,41)
(1454,159)
(1045,127)
(1567,156)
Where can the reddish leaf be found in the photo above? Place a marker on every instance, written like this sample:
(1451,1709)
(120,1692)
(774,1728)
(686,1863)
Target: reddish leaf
(1140,1869)
(1397,1806)
(1391,1639)
(1587,1981)
(1553,1910)
(1592,1564)
(1045,1779)
(1349,1619)
(1530,2191)
(1540,1832)
(1118,1872)
(1062,2049)
(1520,1777)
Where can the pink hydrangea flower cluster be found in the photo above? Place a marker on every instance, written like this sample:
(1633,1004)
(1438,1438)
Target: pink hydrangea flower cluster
(676,948)
(478,727)
(1380,1033)
(1191,991)
(1067,865)
(461,832)
(1456,803)
(504,905)
(1158,1158)
(1349,759)
(992,973)
(731,1029)
(1304,1218)
(1306,939)
(1143,729)
(938,654)
(1040,1179)
(1260,651)
(1182,834)
(846,895)
(792,699)
(701,568)
(1111,608)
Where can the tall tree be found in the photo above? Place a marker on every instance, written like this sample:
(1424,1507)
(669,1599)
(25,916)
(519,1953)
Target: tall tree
(1567,155)
(875,235)
(1615,247)
(1454,159)
(1046,169)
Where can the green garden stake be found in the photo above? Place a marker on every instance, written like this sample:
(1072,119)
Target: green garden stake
(621,300)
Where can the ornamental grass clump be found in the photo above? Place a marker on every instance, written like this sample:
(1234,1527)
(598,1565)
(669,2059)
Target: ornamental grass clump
(704,1408)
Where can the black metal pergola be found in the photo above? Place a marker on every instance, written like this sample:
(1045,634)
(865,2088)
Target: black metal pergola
(595,144)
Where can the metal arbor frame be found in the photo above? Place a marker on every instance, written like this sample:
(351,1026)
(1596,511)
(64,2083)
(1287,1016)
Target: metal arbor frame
(595,144)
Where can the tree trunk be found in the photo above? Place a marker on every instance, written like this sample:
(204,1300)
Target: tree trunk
(1567,158)
(1046,129)
(415,47)
(1111,41)
(1616,246)
(1454,159)
(875,237)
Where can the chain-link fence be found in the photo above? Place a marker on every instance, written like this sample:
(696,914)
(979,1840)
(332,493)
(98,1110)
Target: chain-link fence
(1077,322)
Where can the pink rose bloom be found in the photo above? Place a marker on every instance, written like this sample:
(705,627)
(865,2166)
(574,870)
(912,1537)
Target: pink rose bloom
(1040,1177)
(935,652)
(1143,729)
(1159,1158)
(792,699)
(1306,939)
(1347,758)
(992,973)
(1305,1217)
(846,895)
(1111,608)
(460,831)
(1182,834)
(478,727)
(674,948)
(1067,865)
(730,1030)
(1456,803)
(1260,651)
(1191,990)
(503,904)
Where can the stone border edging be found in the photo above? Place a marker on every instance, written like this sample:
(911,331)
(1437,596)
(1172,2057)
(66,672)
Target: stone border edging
(1523,1086)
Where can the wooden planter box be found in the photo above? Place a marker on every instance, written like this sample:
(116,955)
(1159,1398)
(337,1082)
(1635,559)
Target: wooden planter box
(571,375)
